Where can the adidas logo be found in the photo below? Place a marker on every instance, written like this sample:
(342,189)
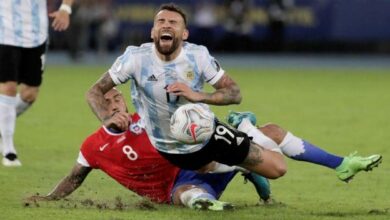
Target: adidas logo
(239,140)
(152,78)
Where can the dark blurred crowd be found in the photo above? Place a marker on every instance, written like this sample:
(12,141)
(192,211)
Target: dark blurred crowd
(221,25)
(94,26)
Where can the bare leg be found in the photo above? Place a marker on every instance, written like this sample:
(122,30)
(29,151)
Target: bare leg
(264,162)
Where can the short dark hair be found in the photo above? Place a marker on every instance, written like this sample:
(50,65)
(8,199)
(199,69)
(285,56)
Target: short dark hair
(175,8)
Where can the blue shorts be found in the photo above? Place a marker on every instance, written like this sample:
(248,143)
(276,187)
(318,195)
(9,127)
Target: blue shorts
(213,183)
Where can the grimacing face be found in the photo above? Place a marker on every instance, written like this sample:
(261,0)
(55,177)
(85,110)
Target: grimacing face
(168,32)
(116,102)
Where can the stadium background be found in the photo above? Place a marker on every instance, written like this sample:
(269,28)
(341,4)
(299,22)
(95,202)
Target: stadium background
(235,25)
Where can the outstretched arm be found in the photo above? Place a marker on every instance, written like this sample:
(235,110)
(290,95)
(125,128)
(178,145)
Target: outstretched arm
(226,92)
(67,185)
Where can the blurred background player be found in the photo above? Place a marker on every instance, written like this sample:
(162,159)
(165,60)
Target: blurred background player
(273,137)
(130,159)
(23,40)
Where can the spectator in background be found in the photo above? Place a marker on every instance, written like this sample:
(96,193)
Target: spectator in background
(238,25)
(23,38)
(93,25)
(277,16)
(205,21)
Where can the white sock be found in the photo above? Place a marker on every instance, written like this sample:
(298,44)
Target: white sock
(187,197)
(291,145)
(222,168)
(21,106)
(257,136)
(7,123)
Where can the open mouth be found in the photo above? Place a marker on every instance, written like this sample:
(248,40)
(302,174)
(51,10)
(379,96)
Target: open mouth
(166,37)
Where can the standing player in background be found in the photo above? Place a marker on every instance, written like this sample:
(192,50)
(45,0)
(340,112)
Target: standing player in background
(129,158)
(23,40)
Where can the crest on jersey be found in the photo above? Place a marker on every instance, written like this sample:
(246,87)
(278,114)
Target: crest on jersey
(136,128)
(216,65)
(190,75)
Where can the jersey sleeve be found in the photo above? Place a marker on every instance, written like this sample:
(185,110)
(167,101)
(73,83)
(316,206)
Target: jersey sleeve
(81,160)
(210,67)
(86,155)
(123,67)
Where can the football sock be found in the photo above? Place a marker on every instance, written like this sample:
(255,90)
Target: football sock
(222,168)
(21,106)
(257,136)
(187,197)
(291,146)
(299,149)
(7,123)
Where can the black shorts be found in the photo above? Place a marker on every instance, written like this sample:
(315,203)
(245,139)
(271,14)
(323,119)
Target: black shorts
(227,145)
(22,65)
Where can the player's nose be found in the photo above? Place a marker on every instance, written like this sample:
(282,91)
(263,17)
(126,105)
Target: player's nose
(115,108)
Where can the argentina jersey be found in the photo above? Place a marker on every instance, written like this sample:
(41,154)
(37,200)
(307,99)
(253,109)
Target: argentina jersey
(150,76)
(23,23)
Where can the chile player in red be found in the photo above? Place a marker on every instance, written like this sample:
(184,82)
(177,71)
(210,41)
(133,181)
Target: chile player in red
(130,159)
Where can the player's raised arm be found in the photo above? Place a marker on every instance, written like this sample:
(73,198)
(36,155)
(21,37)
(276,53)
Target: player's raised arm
(99,105)
(227,92)
(66,186)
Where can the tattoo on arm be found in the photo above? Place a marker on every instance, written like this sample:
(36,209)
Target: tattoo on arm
(95,96)
(227,92)
(255,155)
(70,183)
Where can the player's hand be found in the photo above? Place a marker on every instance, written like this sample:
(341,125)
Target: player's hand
(181,89)
(61,20)
(118,121)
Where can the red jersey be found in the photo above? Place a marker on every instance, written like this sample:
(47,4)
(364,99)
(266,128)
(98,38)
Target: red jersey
(131,160)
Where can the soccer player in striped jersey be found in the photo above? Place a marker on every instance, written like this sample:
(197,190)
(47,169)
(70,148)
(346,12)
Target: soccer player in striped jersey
(129,158)
(168,73)
(23,38)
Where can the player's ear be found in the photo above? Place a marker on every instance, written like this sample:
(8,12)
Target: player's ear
(185,35)
(151,33)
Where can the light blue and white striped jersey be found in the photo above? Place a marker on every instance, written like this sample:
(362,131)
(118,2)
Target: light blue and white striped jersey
(149,77)
(23,23)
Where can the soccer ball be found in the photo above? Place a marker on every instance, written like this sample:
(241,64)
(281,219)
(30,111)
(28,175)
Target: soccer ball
(192,123)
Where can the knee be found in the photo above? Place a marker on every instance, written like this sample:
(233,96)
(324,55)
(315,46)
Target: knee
(277,172)
(279,167)
(9,88)
(280,170)
(274,131)
(29,95)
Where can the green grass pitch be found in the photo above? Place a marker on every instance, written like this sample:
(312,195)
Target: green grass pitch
(339,109)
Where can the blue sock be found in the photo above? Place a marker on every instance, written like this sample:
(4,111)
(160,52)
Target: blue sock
(298,149)
(316,155)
